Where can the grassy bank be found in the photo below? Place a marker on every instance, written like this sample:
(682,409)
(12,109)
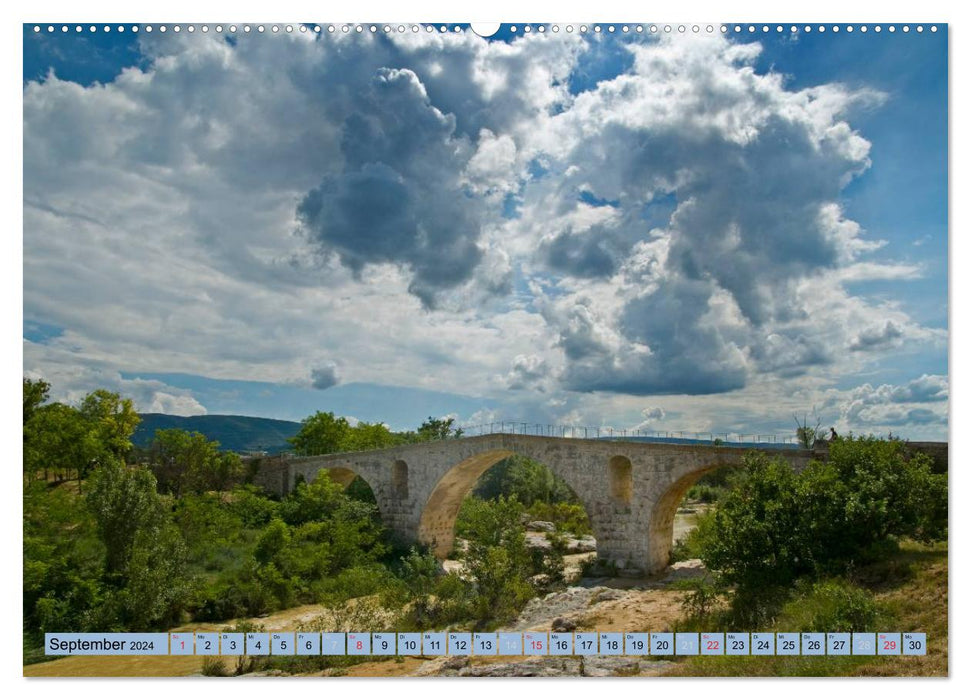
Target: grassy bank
(910,591)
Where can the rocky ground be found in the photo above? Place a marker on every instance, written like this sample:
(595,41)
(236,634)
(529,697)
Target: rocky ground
(595,605)
(591,604)
(609,604)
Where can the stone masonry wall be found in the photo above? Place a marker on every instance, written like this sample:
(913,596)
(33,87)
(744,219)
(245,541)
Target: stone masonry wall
(630,490)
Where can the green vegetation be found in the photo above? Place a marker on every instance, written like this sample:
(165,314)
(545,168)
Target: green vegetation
(777,526)
(544,495)
(188,462)
(807,435)
(68,442)
(325,433)
(117,539)
(120,539)
(906,590)
(257,555)
(713,485)
(830,548)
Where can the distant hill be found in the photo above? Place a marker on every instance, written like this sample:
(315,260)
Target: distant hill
(236,433)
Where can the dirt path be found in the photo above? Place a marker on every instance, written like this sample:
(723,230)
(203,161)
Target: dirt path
(120,666)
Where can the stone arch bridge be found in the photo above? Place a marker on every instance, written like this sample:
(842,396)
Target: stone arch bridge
(630,490)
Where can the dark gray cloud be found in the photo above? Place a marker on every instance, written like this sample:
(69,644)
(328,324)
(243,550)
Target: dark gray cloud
(590,253)
(878,337)
(325,376)
(676,351)
(789,355)
(398,199)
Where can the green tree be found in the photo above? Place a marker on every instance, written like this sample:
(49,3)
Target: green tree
(125,505)
(274,539)
(36,392)
(112,419)
(313,502)
(418,577)
(58,440)
(63,561)
(496,557)
(252,506)
(525,479)
(225,471)
(321,433)
(157,583)
(807,434)
(438,429)
(72,441)
(369,436)
(184,462)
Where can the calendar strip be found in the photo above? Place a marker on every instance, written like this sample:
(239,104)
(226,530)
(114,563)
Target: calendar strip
(529,643)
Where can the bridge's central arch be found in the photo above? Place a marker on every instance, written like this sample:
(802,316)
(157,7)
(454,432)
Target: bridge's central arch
(439,516)
(437,525)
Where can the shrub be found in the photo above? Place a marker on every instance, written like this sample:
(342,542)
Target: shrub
(568,517)
(702,599)
(703,494)
(210,528)
(831,606)
(214,666)
(252,506)
(777,526)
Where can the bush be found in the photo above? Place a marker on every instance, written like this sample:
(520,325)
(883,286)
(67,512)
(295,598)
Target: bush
(568,517)
(214,666)
(63,562)
(831,606)
(702,600)
(252,506)
(703,494)
(778,526)
(690,546)
(211,530)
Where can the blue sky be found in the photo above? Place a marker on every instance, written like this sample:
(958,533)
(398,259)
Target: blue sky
(906,189)
(680,233)
(294,402)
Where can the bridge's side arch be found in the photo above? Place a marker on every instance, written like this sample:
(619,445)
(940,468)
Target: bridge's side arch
(399,479)
(661,526)
(339,475)
(350,477)
(620,474)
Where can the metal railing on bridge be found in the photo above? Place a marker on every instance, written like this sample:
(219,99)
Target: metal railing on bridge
(636,434)
(676,437)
